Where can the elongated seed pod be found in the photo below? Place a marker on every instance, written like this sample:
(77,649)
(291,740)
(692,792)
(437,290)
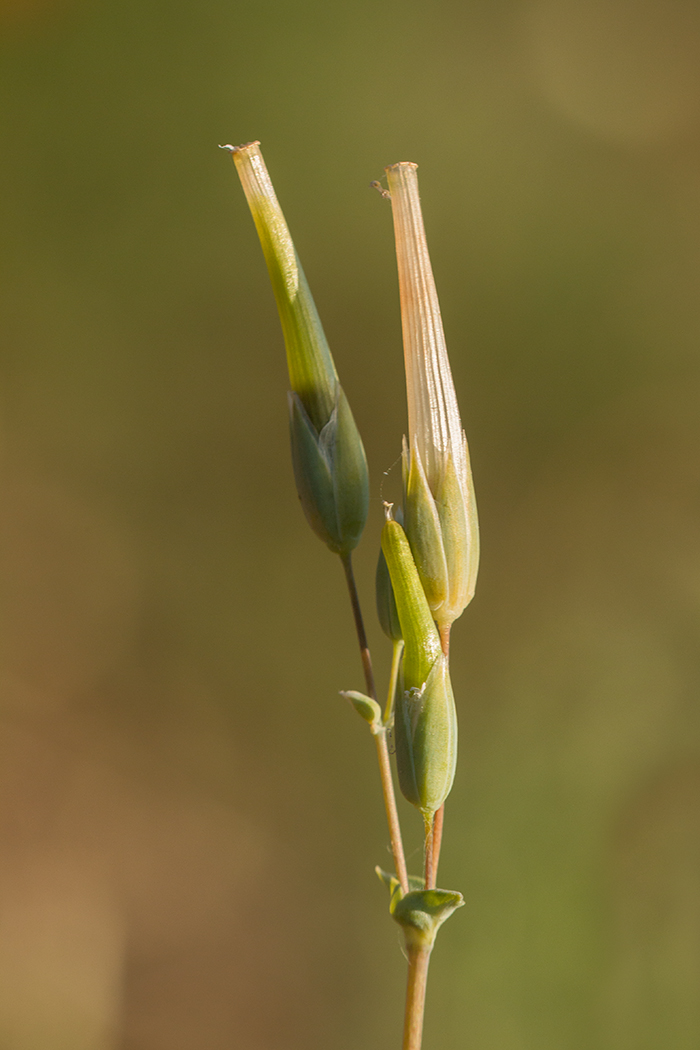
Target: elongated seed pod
(330,468)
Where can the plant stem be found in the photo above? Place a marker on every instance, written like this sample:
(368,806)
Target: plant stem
(418,960)
(392,815)
(359,625)
(437,841)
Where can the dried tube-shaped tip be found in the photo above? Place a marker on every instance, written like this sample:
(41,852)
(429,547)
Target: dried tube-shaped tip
(433,413)
(440,507)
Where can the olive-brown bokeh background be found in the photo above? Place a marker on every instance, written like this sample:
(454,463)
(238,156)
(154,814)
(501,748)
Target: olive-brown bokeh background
(189,814)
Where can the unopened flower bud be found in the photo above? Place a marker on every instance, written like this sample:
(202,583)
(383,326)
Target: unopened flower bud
(330,467)
(439,505)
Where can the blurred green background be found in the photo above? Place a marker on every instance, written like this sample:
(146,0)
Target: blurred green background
(189,814)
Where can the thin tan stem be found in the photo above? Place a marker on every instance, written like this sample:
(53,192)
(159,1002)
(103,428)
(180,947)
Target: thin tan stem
(392,815)
(418,961)
(359,625)
(437,841)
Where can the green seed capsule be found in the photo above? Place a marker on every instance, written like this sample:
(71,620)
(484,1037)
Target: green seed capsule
(425,728)
(330,471)
(425,716)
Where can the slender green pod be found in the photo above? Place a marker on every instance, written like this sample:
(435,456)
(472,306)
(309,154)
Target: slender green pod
(386,602)
(330,467)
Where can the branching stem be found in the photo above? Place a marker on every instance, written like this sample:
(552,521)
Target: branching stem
(392,815)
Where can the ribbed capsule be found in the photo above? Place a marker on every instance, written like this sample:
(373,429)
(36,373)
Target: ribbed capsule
(425,715)
(330,471)
(439,503)
(330,467)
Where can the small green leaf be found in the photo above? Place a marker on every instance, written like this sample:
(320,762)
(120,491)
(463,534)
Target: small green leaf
(365,706)
(421,913)
(393,885)
(415,882)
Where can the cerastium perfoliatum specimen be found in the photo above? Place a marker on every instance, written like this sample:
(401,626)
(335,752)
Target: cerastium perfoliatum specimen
(429,552)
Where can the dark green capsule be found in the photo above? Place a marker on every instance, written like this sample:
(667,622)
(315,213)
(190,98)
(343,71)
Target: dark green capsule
(330,471)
